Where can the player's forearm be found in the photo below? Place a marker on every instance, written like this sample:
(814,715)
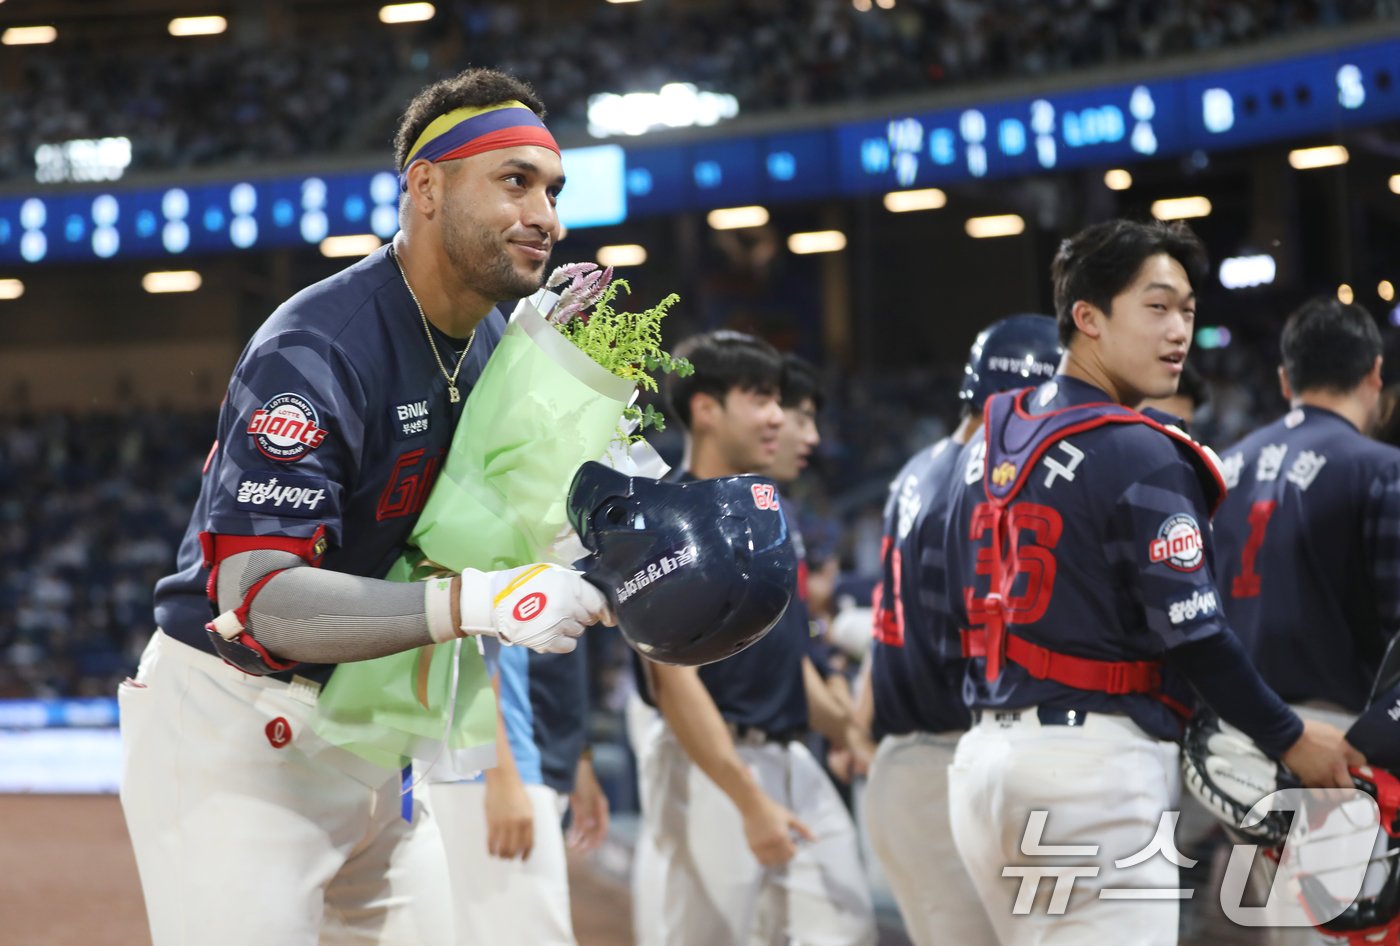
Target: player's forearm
(505,769)
(312,615)
(865,699)
(702,733)
(1222,673)
(826,712)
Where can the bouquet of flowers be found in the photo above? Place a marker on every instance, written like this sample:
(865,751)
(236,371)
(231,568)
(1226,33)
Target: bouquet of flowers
(559,390)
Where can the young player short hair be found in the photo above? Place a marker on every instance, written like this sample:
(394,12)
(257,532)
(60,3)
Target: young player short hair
(724,361)
(1329,345)
(1100,261)
(800,382)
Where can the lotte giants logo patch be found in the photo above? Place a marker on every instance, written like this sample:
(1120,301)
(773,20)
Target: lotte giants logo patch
(764,496)
(286,428)
(529,607)
(279,732)
(1178,544)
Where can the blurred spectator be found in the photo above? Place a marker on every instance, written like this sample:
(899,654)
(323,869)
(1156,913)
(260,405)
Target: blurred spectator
(90,518)
(234,103)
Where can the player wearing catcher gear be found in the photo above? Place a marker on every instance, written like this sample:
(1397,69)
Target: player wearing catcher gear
(742,821)
(1309,537)
(246,827)
(1080,562)
(916,663)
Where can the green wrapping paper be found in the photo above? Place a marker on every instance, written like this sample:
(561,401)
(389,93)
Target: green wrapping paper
(540,409)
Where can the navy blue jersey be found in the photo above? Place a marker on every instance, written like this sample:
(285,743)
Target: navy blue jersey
(1112,556)
(1309,543)
(916,662)
(762,685)
(337,415)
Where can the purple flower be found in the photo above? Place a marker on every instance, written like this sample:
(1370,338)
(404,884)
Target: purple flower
(568,271)
(585,292)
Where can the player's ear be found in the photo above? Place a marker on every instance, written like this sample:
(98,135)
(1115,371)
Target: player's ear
(1284,387)
(1087,318)
(424,186)
(1373,378)
(705,409)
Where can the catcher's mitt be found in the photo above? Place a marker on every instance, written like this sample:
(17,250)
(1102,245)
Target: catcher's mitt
(1229,774)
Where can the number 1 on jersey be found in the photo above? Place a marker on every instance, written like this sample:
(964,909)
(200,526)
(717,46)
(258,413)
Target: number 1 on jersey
(1247,582)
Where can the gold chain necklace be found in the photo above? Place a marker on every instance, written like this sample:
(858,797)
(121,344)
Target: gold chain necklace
(452,392)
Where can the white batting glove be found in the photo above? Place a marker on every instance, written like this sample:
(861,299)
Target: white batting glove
(542,607)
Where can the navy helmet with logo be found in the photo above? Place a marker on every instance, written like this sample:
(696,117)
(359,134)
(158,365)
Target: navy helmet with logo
(694,571)
(1018,351)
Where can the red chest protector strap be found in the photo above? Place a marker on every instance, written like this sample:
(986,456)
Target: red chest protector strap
(1016,440)
(227,630)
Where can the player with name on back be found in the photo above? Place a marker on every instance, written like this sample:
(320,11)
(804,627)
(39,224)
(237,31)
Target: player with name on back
(1309,537)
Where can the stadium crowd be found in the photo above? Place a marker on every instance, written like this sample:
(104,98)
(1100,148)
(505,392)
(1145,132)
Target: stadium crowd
(224,102)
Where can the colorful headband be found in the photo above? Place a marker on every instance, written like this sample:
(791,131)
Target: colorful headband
(464,132)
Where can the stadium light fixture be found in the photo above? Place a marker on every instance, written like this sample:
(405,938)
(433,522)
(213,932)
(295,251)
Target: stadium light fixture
(11,288)
(406,12)
(1246,272)
(1180,208)
(1327,156)
(28,35)
(737,218)
(817,241)
(862,6)
(1117,179)
(176,280)
(1001,225)
(1386,290)
(197,25)
(928,198)
(675,105)
(622,1)
(1395,183)
(356,244)
(1344,294)
(622,254)
(885,4)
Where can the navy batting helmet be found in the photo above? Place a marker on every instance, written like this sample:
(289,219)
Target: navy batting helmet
(1015,352)
(694,571)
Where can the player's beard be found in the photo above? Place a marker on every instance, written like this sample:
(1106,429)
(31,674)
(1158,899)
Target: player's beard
(482,259)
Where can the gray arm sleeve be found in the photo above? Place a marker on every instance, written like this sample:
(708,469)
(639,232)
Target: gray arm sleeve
(315,616)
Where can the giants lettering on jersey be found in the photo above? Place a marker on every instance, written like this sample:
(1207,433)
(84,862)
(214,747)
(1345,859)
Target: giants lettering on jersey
(286,428)
(409,484)
(1178,544)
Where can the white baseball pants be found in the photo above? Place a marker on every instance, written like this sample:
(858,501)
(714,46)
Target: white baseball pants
(500,901)
(715,893)
(906,817)
(1104,786)
(248,828)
